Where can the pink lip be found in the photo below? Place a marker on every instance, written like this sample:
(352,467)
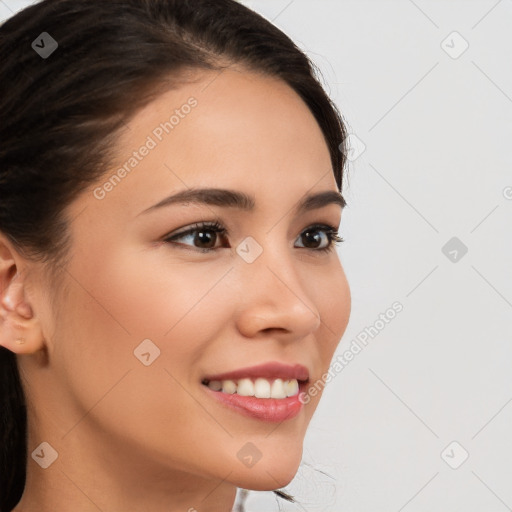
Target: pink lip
(271,370)
(265,409)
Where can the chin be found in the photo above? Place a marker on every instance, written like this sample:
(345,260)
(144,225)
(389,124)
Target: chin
(267,476)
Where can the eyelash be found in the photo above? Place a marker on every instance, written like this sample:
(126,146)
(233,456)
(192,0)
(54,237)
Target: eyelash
(216,227)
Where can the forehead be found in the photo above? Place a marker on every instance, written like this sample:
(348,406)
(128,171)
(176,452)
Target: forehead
(232,129)
(234,110)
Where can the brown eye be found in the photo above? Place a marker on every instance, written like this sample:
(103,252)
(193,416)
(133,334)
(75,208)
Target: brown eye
(313,239)
(202,235)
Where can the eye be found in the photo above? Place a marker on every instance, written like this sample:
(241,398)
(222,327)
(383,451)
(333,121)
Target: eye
(311,236)
(204,235)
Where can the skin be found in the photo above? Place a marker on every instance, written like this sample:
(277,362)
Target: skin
(139,438)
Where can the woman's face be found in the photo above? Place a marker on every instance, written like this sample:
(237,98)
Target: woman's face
(143,321)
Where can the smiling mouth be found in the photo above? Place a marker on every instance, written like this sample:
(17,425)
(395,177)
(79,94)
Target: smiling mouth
(264,399)
(258,387)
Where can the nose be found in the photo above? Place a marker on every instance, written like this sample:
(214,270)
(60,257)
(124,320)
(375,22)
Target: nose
(273,298)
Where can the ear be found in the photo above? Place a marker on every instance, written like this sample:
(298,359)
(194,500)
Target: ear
(20,330)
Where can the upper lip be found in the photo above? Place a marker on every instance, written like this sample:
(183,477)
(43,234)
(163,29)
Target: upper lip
(271,370)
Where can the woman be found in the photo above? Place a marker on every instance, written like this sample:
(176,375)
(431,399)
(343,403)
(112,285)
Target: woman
(170,192)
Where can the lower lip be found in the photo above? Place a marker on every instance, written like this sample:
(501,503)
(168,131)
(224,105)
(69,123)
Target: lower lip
(266,409)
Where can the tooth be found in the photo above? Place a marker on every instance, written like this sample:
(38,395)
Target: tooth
(228,386)
(277,390)
(262,388)
(245,387)
(291,387)
(216,385)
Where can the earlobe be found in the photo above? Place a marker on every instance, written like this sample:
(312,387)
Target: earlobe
(20,331)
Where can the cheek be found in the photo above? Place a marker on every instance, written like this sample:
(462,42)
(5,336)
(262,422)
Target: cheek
(330,293)
(111,308)
(166,300)
(133,296)
(332,298)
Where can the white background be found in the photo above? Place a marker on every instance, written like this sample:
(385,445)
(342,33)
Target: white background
(436,130)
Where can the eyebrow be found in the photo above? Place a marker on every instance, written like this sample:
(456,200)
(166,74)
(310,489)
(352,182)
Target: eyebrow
(235,199)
